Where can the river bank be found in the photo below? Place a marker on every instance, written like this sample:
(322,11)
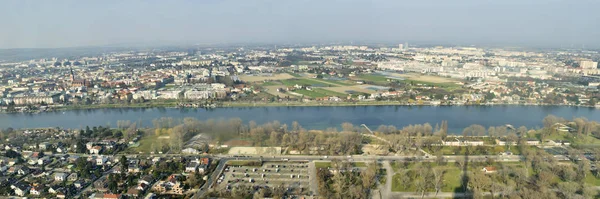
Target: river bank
(274,104)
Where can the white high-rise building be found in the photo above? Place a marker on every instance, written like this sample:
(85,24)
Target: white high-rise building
(401,46)
(588,64)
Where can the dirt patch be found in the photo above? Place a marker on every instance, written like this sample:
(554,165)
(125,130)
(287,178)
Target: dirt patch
(259,78)
(425,78)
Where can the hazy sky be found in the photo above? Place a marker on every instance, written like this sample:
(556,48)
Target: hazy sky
(58,23)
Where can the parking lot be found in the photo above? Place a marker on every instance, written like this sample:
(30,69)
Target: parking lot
(291,175)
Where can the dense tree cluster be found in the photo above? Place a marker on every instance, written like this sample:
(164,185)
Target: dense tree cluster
(343,181)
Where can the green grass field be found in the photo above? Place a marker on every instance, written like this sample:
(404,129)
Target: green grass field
(441,85)
(271,83)
(451,181)
(295,74)
(318,92)
(375,78)
(146,144)
(591,179)
(292,82)
(341,83)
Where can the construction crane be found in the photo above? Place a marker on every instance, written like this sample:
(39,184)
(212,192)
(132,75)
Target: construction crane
(366,127)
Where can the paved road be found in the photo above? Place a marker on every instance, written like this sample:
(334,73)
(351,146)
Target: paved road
(312,175)
(386,192)
(212,179)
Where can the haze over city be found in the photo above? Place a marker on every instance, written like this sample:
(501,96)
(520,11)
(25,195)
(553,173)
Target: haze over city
(310,99)
(537,23)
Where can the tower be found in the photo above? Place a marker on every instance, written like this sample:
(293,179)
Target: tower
(72,74)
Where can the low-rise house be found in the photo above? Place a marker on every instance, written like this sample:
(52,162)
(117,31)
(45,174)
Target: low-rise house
(133,169)
(23,170)
(133,192)
(21,189)
(105,196)
(44,145)
(54,189)
(72,177)
(489,169)
(191,167)
(79,184)
(44,160)
(101,184)
(61,195)
(558,143)
(101,160)
(60,177)
(460,141)
(147,179)
(96,149)
(36,190)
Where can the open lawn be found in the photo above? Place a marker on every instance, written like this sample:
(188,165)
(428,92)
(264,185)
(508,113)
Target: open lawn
(257,78)
(591,179)
(355,88)
(318,92)
(451,182)
(295,74)
(581,140)
(424,78)
(148,143)
(309,82)
(270,83)
(336,82)
(374,78)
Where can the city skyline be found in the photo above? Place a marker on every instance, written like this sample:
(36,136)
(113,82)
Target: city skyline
(510,23)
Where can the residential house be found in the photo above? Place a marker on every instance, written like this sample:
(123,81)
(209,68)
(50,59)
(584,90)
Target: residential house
(489,169)
(44,160)
(21,189)
(462,141)
(60,177)
(96,150)
(105,196)
(61,195)
(191,167)
(44,145)
(36,190)
(101,184)
(55,189)
(79,184)
(101,160)
(133,192)
(72,177)
(146,179)
(557,143)
(23,170)
(133,169)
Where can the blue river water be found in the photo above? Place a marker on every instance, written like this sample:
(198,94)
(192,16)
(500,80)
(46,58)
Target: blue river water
(458,117)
